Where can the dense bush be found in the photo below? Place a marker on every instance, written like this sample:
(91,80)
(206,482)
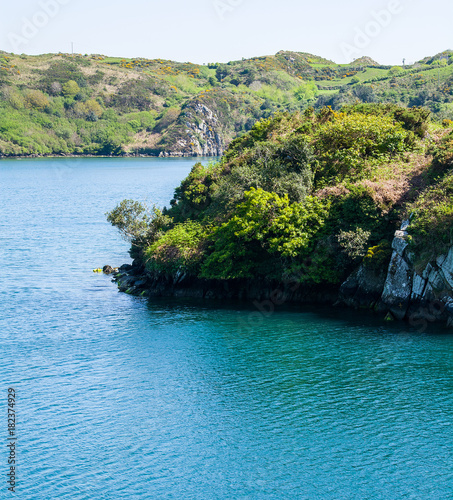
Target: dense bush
(264,229)
(345,142)
(178,250)
(285,168)
(365,93)
(70,89)
(35,99)
(195,193)
(431,226)
(413,119)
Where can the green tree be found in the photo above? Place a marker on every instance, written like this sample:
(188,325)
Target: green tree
(395,70)
(13,97)
(89,109)
(36,99)
(264,231)
(137,223)
(306,91)
(70,89)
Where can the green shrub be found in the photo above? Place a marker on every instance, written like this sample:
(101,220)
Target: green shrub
(178,250)
(306,91)
(264,229)
(35,99)
(431,227)
(396,70)
(282,168)
(413,119)
(345,142)
(195,192)
(71,89)
(13,97)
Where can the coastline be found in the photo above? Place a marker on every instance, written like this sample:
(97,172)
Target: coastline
(125,155)
(268,296)
(135,280)
(397,292)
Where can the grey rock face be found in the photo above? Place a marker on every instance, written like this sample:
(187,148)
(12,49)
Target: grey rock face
(418,287)
(200,133)
(398,286)
(425,295)
(447,268)
(399,243)
(363,288)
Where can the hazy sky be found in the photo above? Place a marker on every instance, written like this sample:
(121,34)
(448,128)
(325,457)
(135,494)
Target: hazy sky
(221,30)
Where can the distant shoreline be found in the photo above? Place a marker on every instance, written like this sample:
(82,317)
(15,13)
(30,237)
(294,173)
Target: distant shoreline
(20,157)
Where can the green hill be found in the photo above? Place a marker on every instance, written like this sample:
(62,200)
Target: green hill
(92,104)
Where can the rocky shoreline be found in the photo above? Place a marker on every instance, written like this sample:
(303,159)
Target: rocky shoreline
(134,280)
(399,292)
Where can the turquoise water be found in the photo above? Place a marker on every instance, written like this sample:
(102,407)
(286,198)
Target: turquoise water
(118,398)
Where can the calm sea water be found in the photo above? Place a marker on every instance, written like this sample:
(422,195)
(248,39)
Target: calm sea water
(118,398)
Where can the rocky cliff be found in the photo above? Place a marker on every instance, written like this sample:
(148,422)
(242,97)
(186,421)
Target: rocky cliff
(198,132)
(207,124)
(405,291)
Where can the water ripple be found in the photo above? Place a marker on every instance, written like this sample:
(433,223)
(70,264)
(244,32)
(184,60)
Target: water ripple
(120,398)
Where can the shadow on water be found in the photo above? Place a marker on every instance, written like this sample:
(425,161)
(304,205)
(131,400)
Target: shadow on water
(258,312)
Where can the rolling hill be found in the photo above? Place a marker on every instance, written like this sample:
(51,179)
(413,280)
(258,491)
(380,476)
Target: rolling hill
(62,104)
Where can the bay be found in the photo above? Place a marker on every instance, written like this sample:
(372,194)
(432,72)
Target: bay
(119,397)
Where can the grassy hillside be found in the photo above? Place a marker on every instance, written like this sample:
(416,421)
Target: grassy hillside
(306,197)
(92,104)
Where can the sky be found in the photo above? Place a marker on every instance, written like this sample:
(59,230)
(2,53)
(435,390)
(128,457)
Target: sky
(202,31)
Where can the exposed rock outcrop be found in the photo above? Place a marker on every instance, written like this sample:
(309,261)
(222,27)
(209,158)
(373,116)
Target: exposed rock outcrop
(406,293)
(398,284)
(198,132)
(363,288)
